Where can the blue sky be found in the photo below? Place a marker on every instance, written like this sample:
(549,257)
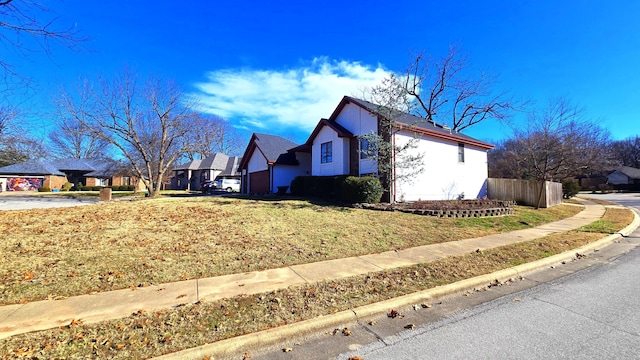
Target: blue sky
(280,66)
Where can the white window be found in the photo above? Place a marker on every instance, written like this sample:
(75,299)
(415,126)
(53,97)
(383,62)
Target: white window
(326,152)
(461,153)
(367,149)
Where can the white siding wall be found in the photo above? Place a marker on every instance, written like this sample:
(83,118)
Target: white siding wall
(359,122)
(444,177)
(257,162)
(284,174)
(340,146)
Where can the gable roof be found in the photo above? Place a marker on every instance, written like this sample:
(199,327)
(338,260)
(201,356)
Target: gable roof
(191,165)
(59,167)
(273,147)
(630,172)
(218,161)
(412,123)
(339,129)
(231,168)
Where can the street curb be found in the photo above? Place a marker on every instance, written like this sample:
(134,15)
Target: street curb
(237,344)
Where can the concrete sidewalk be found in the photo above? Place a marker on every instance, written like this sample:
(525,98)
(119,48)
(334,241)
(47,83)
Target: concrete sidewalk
(41,315)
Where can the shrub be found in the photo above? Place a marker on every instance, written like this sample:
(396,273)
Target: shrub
(67,186)
(605,188)
(80,187)
(570,189)
(326,187)
(297,186)
(44,189)
(365,189)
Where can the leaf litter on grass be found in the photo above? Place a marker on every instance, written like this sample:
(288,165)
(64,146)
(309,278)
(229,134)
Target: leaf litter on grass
(119,245)
(145,334)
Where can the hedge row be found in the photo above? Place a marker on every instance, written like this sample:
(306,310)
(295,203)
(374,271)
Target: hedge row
(123,188)
(349,189)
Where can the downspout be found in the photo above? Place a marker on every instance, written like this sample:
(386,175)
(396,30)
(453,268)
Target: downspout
(393,184)
(270,178)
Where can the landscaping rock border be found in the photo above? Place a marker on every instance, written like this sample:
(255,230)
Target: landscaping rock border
(488,209)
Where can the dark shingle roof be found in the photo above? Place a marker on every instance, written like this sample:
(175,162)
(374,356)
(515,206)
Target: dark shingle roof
(631,172)
(272,146)
(217,161)
(91,167)
(31,168)
(76,164)
(231,168)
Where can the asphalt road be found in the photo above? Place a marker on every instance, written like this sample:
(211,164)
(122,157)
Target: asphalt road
(593,313)
(23,202)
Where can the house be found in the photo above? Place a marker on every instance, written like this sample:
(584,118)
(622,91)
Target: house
(270,162)
(31,175)
(190,175)
(625,178)
(455,165)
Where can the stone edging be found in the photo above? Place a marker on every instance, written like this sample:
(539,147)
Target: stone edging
(501,208)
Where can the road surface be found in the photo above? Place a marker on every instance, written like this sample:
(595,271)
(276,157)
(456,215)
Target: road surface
(23,202)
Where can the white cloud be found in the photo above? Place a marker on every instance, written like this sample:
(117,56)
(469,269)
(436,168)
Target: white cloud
(287,101)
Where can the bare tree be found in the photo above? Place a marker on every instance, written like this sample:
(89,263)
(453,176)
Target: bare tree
(395,160)
(146,123)
(209,135)
(27,26)
(559,143)
(15,143)
(443,92)
(627,152)
(71,140)
(440,93)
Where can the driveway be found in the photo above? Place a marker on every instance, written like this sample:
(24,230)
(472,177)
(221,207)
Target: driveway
(13,201)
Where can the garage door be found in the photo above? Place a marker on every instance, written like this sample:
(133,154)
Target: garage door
(259,182)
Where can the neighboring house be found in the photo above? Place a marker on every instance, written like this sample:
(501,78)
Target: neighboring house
(191,175)
(455,164)
(31,175)
(269,162)
(625,178)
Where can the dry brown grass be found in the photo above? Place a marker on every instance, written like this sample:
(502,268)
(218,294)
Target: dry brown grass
(144,334)
(52,253)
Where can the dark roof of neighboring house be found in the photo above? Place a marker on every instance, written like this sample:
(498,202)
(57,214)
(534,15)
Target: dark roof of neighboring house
(218,161)
(630,172)
(90,167)
(31,168)
(414,123)
(191,165)
(232,167)
(273,147)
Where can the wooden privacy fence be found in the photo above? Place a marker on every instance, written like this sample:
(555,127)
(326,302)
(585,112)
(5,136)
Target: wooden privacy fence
(526,192)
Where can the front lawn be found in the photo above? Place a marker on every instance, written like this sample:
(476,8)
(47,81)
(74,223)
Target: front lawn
(53,253)
(147,334)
